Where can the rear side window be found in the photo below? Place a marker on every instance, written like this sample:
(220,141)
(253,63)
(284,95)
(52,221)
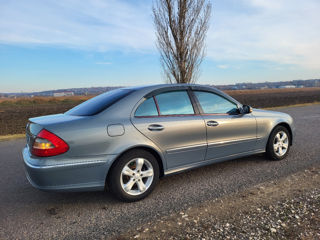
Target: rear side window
(147,108)
(213,103)
(99,103)
(174,103)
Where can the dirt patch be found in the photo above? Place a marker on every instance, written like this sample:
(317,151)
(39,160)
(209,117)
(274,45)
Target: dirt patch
(285,209)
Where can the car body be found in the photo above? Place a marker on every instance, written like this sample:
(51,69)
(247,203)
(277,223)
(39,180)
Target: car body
(183,126)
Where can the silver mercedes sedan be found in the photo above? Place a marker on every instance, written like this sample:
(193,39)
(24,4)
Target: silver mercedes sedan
(126,139)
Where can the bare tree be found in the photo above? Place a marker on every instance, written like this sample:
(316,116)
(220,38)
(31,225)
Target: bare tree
(181,27)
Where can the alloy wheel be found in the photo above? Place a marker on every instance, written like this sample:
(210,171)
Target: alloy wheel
(136,176)
(280,143)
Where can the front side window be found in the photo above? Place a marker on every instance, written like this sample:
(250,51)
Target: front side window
(174,103)
(147,108)
(212,103)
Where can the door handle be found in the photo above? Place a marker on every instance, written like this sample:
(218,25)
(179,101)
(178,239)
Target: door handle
(155,127)
(212,123)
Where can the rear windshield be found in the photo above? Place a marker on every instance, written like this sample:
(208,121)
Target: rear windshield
(99,103)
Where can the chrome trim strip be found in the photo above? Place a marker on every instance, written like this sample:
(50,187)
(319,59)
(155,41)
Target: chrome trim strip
(73,165)
(231,141)
(186,148)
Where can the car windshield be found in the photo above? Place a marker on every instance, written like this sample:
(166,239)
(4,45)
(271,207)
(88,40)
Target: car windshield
(99,103)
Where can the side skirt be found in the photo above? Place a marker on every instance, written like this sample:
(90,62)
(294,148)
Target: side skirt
(211,161)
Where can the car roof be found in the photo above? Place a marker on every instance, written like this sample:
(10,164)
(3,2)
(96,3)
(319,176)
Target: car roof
(168,85)
(150,90)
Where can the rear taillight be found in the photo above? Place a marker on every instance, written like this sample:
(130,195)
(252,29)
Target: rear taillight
(47,144)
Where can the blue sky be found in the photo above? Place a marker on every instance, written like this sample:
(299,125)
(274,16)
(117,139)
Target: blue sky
(48,44)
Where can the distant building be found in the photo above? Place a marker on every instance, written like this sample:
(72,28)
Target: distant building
(63,94)
(288,86)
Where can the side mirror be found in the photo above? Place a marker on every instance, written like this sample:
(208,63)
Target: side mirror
(246,109)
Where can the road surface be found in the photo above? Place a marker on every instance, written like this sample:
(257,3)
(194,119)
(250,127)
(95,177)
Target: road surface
(27,213)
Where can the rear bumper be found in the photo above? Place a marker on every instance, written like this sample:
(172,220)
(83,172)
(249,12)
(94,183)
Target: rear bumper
(85,174)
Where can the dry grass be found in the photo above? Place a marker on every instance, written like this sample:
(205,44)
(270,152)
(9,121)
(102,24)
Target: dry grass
(295,105)
(24,101)
(11,137)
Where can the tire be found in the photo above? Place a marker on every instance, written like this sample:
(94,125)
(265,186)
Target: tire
(134,175)
(279,143)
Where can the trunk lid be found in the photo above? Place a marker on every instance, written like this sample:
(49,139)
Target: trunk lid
(35,125)
(54,119)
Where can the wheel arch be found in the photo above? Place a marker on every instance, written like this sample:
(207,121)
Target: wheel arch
(287,126)
(149,149)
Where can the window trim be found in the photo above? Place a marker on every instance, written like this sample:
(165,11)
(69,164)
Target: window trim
(157,105)
(187,90)
(202,113)
(145,99)
(198,111)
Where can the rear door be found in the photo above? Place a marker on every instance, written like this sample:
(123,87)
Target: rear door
(169,120)
(228,132)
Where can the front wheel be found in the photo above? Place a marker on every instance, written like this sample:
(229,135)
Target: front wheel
(134,175)
(279,143)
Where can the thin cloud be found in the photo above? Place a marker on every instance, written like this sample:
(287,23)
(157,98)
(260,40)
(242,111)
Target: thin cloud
(223,66)
(283,32)
(103,63)
(95,25)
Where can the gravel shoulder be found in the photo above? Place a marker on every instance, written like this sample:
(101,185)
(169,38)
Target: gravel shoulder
(288,208)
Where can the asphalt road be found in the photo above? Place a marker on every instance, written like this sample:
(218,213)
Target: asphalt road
(26,213)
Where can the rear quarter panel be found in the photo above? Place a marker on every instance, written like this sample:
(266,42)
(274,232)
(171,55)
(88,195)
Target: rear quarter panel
(88,136)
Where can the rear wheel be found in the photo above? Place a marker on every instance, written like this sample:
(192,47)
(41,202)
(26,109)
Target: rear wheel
(279,143)
(134,175)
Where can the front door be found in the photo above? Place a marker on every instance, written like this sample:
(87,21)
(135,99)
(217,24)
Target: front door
(228,132)
(168,119)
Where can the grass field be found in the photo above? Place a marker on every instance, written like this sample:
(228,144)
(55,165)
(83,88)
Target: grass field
(14,113)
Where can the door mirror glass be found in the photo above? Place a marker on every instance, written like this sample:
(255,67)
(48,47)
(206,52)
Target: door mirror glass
(246,109)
